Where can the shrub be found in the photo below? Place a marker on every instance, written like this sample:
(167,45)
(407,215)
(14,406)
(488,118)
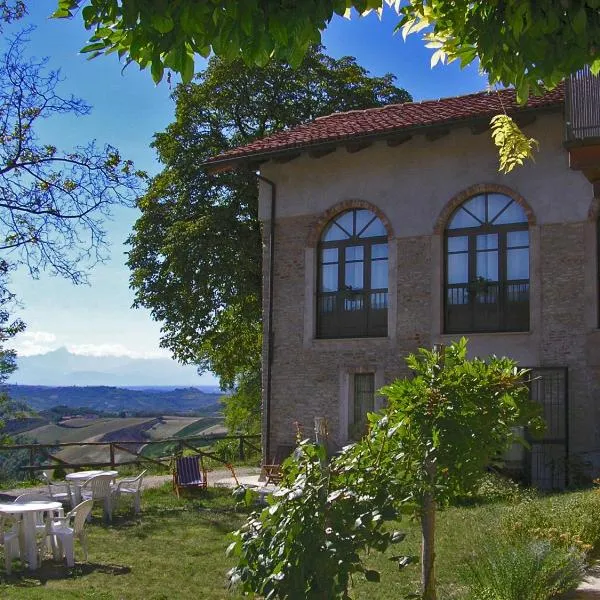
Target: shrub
(59,473)
(494,487)
(313,536)
(528,570)
(566,519)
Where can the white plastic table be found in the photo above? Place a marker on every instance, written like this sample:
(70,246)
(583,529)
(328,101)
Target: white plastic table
(28,512)
(79,477)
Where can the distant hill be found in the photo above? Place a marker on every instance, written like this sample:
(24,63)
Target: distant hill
(114,400)
(63,368)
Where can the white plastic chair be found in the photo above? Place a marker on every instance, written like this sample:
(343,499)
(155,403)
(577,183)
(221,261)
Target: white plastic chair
(9,540)
(33,497)
(131,486)
(60,492)
(40,525)
(64,530)
(98,487)
(43,544)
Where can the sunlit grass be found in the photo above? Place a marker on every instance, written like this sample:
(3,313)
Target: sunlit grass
(176,550)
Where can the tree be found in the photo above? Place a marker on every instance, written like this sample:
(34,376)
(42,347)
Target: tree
(8,358)
(196,250)
(11,10)
(445,425)
(525,43)
(430,446)
(316,533)
(52,201)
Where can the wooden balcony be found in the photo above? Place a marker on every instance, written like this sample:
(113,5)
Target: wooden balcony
(582,115)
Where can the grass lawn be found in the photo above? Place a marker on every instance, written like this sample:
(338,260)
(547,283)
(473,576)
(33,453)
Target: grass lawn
(175,550)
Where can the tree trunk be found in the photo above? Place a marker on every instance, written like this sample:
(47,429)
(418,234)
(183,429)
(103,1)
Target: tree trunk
(428,548)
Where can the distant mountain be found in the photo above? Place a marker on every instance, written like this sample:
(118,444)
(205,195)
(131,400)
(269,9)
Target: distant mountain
(62,368)
(116,400)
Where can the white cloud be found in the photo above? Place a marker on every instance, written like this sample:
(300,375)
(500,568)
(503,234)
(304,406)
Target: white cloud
(30,343)
(34,342)
(115,350)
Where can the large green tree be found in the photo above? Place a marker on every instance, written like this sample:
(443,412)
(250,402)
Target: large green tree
(196,249)
(526,43)
(9,327)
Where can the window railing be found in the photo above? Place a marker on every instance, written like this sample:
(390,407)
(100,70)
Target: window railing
(352,314)
(582,102)
(487,306)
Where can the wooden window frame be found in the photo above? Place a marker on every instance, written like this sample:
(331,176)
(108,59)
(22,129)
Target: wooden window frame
(338,322)
(501,315)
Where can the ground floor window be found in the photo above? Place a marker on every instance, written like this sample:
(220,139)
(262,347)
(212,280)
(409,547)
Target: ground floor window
(363,402)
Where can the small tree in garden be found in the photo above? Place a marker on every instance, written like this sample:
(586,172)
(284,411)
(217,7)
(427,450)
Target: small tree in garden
(310,540)
(444,426)
(431,444)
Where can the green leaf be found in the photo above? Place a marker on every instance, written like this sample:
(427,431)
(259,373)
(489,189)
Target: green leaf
(157,70)
(514,147)
(162,23)
(61,13)
(187,70)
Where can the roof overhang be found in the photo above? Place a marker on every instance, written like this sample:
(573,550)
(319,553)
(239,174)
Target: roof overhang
(394,137)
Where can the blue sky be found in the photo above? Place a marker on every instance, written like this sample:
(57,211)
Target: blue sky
(127,110)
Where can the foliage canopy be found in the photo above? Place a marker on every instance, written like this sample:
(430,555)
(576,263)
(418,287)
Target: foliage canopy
(525,43)
(196,249)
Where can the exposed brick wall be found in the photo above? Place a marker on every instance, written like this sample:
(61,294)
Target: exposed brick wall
(307,377)
(563,339)
(306,381)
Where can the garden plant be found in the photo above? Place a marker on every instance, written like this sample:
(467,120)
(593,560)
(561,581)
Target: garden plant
(430,446)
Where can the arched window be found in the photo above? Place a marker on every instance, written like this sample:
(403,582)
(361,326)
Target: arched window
(352,297)
(487,266)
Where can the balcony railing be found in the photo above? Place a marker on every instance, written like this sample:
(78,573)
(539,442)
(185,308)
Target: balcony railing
(488,307)
(582,106)
(352,314)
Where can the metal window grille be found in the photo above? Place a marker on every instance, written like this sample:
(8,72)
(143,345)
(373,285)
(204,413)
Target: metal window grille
(364,400)
(546,464)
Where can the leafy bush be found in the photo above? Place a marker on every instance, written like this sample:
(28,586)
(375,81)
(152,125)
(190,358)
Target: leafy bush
(529,570)
(59,473)
(229,451)
(494,487)
(309,541)
(567,519)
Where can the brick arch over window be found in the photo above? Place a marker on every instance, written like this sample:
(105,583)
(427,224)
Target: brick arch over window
(317,229)
(474,190)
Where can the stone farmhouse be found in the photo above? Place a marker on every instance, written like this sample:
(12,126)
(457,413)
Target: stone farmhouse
(391,228)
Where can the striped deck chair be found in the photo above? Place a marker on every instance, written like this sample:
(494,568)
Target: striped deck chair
(189,473)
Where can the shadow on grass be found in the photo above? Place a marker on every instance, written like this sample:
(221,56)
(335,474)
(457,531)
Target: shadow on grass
(52,571)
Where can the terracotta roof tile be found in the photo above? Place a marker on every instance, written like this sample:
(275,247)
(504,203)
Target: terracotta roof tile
(389,119)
